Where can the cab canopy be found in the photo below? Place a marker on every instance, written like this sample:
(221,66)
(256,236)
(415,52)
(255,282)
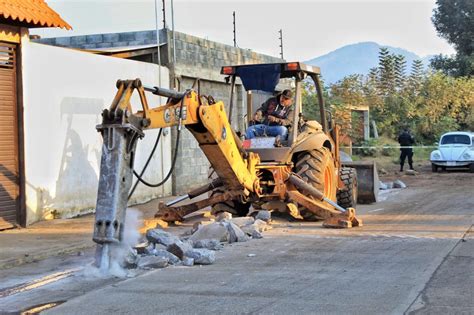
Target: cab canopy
(265,77)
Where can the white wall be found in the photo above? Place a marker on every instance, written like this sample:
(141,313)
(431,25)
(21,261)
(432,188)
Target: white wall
(64,93)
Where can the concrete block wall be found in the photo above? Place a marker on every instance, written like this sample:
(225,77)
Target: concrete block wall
(195,58)
(201,58)
(98,41)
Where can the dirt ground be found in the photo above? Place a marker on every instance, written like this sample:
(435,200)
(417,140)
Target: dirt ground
(414,254)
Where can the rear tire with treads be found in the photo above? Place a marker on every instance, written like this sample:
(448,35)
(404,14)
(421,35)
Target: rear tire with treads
(347,196)
(316,167)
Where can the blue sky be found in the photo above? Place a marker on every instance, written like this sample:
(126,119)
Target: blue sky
(310,28)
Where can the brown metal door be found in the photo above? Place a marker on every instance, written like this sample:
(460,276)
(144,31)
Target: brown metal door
(9,168)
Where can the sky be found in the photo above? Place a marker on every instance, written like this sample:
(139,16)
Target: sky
(311,28)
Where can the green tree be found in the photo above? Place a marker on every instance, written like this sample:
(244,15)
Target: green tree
(454,21)
(400,65)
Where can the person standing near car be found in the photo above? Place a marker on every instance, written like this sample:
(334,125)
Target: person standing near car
(406,141)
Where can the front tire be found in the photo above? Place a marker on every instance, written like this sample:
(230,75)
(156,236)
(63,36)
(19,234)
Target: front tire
(347,196)
(316,167)
(434,168)
(471,168)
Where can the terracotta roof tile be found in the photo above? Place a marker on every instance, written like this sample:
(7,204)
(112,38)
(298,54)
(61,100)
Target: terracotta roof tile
(35,13)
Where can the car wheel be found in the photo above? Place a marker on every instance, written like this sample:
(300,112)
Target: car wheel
(471,168)
(434,168)
(443,168)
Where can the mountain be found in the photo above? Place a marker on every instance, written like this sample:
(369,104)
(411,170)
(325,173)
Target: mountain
(357,59)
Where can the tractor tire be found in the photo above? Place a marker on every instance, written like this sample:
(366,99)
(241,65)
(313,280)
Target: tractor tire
(235,207)
(316,167)
(347,197)
(434,168)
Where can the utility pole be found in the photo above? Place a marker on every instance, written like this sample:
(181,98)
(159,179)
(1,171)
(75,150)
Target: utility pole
(281,44)
(235,40)
(158,46)
(164,14)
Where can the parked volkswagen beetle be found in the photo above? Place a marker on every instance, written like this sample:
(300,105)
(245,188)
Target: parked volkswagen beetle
(456,149)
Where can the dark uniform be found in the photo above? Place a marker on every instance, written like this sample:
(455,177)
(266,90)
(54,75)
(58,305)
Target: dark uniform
(406,140)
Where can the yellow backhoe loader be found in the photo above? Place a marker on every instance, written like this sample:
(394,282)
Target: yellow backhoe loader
(302,174)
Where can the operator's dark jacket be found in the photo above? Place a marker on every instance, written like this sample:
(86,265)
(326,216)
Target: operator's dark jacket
(406,139)
(273,107)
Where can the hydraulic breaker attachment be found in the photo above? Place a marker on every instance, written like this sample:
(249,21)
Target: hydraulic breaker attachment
(120,132)
(335,216)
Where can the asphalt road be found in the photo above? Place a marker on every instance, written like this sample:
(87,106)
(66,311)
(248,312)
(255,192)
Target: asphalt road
(415,254)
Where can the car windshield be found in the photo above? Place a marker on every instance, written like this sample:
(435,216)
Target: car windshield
(456,139)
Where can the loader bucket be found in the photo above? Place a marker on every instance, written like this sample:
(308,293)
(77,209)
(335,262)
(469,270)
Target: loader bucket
(367,180)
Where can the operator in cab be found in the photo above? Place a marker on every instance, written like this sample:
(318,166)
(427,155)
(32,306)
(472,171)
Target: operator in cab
(273,118)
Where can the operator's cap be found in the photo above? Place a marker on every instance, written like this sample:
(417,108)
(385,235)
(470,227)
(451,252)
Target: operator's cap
(287,94)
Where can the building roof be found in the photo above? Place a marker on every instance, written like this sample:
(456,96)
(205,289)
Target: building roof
(30,13)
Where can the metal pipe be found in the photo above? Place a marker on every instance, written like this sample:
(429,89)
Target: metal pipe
(319,92)
(164,92)
(299,183)
(172,32)
(158,46)
(296,112)
(175,201)
(197,192)
(231,105)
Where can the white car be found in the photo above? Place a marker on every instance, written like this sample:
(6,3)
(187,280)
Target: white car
(456,149)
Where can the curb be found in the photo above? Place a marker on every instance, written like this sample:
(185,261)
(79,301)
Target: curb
(21,260)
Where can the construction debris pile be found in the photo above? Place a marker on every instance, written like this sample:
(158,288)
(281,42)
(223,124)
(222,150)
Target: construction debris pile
(397,184)
(198,246)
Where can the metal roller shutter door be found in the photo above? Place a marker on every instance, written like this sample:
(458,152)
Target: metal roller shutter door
(9,168)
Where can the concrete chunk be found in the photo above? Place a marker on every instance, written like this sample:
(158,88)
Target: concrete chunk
(264,215)
(208,244)
(172,259)
(236,234)
(259,226)
(130,260)
(158,236)
(222,216)
(399,184)
(256,234)
(179,249)
(152,262)
(188,261)
(215,230)
(242,221)
(202,256)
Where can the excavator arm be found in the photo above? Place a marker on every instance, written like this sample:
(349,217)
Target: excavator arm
(121,128)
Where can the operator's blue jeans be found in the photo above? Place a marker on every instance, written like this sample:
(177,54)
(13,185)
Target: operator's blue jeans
(265,130)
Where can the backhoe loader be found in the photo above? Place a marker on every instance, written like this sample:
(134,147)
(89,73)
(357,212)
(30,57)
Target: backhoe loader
(301,175)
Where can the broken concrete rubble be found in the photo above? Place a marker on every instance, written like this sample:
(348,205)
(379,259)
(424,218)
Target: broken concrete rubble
(201,256)
(130,260)
(242,221)
(172,259)
(221,216)
(215,230)
(188,261)
(256,234)
(152,262)
(264,215)
(235,233)
(158,236)
(163,248)
(399,184)
(179,248)
(209,244)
